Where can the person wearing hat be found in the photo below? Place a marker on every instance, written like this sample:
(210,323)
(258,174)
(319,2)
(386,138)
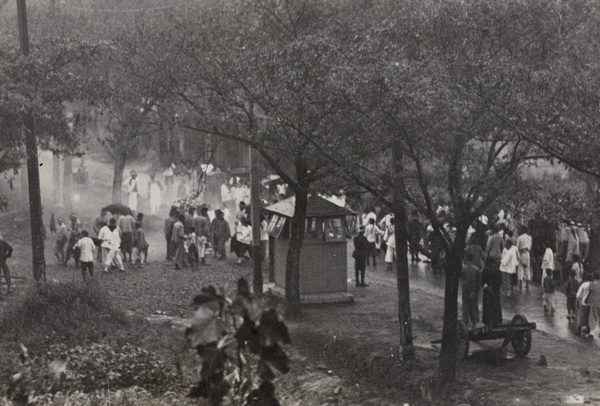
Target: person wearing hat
(5,252)
(132,189)
(361,251)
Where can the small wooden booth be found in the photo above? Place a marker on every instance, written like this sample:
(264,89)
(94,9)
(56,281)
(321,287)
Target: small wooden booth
(323,258)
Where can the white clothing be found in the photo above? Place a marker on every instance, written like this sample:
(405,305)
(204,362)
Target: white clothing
(371,232)
(390,253)
(87,247)
(548,260)
(583,291)
(524,244)
(155,200)
(369,216)
(113,255)
(509,260)
(225,194)
(201,246)
(133,194)
(264,236)
(104,235)
(578,268)
(114,239)
(244,235)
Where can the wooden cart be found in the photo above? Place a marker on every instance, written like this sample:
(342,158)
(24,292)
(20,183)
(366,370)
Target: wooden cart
(517,333)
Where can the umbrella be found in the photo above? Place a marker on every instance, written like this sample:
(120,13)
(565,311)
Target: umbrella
(118,208)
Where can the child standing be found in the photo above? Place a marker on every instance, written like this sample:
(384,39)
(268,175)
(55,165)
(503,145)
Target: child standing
(549,288)
(140,246)
(548,260)
(571,288)
(87,249)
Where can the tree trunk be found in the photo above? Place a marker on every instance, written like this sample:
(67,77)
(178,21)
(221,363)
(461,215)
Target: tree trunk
(453,269)
(68,183)
(56,178)
(119,169)
(292,266)
(257,279)
(23,181)
(35,201)
(402,277)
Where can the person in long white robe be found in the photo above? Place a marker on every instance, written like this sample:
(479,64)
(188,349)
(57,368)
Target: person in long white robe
(154,195)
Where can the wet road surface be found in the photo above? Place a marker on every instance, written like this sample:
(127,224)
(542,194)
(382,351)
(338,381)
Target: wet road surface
(527,303)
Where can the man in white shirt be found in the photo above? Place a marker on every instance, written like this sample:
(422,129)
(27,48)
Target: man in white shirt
(372,232)
(87,250)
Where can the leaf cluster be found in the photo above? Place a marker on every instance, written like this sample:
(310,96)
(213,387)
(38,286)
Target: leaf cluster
(240,347)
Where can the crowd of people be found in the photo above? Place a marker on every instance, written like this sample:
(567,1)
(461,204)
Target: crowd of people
(191,231)
(498,260)
(118,239)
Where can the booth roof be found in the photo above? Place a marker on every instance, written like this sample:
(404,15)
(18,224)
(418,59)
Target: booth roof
(317,207)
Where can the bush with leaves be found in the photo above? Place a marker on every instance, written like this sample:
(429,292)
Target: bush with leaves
(240,348)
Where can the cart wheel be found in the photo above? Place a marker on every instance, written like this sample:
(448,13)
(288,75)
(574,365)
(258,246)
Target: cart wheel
(521,341)
(463,341)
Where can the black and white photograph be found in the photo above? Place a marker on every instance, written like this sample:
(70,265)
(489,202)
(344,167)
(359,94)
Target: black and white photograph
(299,202)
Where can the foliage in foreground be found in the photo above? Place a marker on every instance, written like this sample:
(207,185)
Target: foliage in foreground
(240,348)
(68,313)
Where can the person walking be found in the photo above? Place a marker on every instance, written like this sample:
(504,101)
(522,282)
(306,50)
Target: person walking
(491,282)
(508,265)
(524,244)
(99,222)
(415,229)
(583,317)
(202,230)
(154,194)
(132,189)
(169,223)
(572,242)
(221,233)
(113,244)
(372,234)
(494,247)
(140,245)
(178,240)
(476,251)
(87,249)
(549,290)
(126,225)
(6,251)
(244,239)
(471,283)
(390,240)
(577,267)
(62,237)
(571,288)
(548,259)
(361,252)
(594,302)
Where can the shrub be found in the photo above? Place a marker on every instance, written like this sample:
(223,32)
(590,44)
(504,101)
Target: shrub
(68,313)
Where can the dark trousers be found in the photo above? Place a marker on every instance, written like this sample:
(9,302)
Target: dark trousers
(170,248)
(89,267)
(360,265)
(6,272)
(470,308)
(179,251)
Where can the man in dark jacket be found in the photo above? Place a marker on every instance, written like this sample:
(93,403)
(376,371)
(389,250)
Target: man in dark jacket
(361,251)
(5,253)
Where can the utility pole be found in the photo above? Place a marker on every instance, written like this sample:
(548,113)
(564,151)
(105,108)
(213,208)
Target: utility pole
(33,174)
(257,254)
